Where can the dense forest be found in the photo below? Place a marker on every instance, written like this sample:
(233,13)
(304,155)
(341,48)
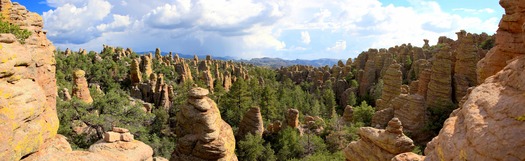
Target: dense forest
(110,84)
(143,93)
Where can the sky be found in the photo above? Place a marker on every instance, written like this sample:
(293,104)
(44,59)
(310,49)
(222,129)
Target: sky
(288,29)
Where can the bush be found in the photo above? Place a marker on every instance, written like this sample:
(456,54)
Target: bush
(20,34)
(363,113)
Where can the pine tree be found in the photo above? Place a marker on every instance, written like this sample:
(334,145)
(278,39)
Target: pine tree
(237,101)
(329,101)
(268,103)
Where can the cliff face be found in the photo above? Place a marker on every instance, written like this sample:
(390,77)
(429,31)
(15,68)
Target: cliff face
(27,85)
(509,40)
(489,123)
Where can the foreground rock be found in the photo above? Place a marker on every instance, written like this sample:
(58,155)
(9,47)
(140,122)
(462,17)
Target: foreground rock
(59,148)
(509,40)
(493,115)
(489,124)
(378,144)
(203,135)
(27,85)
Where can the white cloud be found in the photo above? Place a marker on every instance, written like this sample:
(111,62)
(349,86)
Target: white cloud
(119,23)
(305,37)
(338,47)
(254,28)
(475,11)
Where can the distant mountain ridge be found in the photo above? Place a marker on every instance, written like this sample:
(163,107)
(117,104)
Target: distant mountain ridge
(278,62)
(265,61)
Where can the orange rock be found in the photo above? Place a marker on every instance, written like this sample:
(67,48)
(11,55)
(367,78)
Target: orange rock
(111,137)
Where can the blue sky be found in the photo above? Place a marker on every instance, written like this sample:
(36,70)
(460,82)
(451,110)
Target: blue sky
(290,29)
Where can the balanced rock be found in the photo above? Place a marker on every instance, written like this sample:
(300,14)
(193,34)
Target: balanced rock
(80,88)
(378,144)
(203,135)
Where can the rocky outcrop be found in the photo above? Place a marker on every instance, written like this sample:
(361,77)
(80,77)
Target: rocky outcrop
(251,123)
(59,148)
(393,79)
(146,64)
(409,156)
(509,40)
(489,125)
(184,71)
(440,84)
(378,144)
(292,118)
(381,117)
(136,75)
(465,66)
(203,135)
(367,77)
(27,85)
(348,114)
(80,87)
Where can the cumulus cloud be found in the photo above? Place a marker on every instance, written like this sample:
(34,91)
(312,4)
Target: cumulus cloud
(80,23)
(305,37)
(255,28)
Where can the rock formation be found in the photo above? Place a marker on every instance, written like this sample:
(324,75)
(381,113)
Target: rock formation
(115,150)
(80,87)
(392,80)
(378,144)
(65,94)
(136,75)
(440,85)
(509,40)
(27,85)
(292,118)
(465,66)
(28,100)
(184,71)
(489,124)
(409,156)
(203,135)
(348,114)
(146,64)
(251,123)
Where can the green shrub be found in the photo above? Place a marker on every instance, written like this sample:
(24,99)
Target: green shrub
(20,34)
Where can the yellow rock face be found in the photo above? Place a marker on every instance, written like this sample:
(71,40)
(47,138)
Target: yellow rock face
(27,88)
